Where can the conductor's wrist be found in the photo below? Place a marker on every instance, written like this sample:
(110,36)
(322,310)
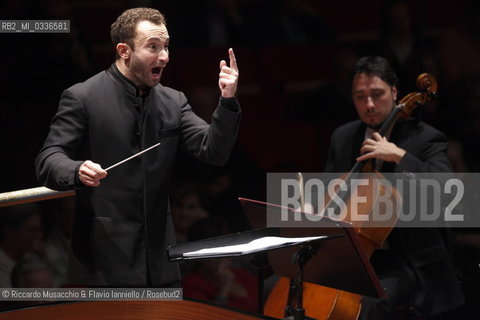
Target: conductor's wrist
(77,182)
(230,103)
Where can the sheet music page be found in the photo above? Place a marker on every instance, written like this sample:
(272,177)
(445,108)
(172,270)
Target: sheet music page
(252,246)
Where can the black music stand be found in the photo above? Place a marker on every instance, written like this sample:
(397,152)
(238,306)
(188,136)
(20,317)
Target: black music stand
(253,242)
(338,263)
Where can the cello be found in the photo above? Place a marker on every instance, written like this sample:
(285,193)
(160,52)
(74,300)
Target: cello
(337,304)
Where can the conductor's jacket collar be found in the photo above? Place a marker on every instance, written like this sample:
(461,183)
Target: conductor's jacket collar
(125,83)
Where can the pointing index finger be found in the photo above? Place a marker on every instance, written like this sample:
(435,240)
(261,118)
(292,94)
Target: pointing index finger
(233,61)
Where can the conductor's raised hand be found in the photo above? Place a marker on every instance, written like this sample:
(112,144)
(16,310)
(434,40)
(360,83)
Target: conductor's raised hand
(91,173)
(228,78)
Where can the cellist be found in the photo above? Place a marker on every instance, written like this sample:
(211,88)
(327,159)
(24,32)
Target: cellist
(414,265)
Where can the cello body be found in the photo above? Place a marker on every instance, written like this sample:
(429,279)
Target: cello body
(319,302)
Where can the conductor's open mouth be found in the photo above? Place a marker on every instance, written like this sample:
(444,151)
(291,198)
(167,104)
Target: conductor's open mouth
(156,71)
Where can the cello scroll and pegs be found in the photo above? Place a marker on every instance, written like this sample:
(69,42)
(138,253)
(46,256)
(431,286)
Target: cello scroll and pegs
(427,84)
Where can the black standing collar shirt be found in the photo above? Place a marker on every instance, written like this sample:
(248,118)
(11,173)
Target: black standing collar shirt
(126,83)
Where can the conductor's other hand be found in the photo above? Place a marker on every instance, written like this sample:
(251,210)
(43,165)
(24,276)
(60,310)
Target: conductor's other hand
(228,78)
(91,173)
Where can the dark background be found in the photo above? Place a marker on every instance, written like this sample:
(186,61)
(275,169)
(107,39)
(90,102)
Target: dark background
(295,59)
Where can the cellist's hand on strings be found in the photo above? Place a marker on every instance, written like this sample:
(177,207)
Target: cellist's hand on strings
(378,147)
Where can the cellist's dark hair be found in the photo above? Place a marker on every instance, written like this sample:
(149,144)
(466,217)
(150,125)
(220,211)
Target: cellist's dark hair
(376,66)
